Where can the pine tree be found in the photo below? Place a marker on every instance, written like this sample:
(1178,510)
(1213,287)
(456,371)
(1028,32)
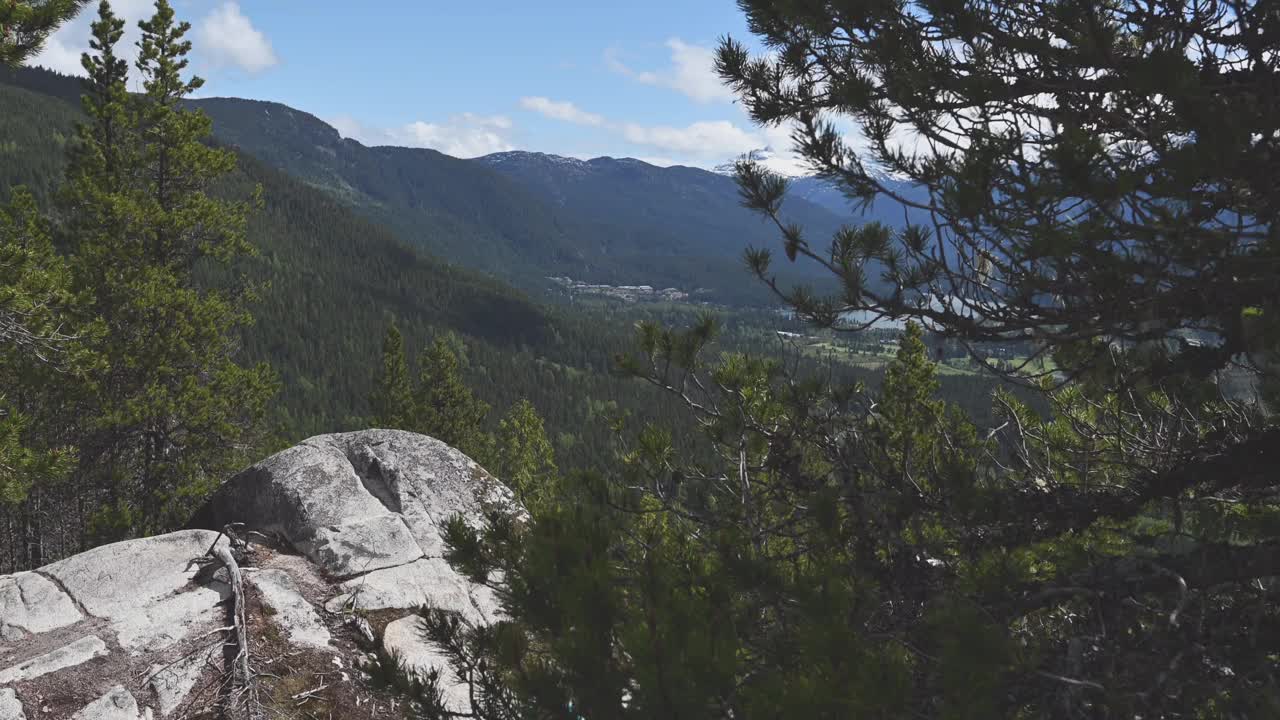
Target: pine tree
(906,402)
(737,585)
(25,24)
(920,438)
(35,288)
(393,401)
(96,198)
(105,100)
(446,408)
(524,459)
(37,356)
(171,409)
(875,554)
(1090,179)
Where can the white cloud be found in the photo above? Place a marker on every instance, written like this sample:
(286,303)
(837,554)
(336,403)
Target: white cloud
(349,127)
(227,37)
(692,72)
(707,143)
(714,138)
(695,73)
(60,55)
(660,160)
(708,140)
(61,52)
(464,135)
(777,137)
(561,110)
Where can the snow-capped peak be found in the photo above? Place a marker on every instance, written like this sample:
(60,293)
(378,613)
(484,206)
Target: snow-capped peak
(782,163)
(525,156)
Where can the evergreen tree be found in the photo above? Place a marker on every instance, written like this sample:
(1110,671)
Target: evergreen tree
(1094,180)
(524,459)
(1154,187)
(907,403)
(172,411)
(105,101)
(736,587)
(446,408)
(25,24)
(37,354)
(35,289)
(393,401)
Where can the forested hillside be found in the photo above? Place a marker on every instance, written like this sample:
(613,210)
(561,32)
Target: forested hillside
(446,206)
(524,218)
(520,216)
(36,129)
(884,209)
(1015,457)
(682,223)
(336,280)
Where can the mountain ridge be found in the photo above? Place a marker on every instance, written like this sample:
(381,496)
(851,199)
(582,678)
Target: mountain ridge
(527,215)
(335,280)
(524,216)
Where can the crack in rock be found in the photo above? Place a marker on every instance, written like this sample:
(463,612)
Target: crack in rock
(84,611)
(76,653)
(292,613)
(378,475)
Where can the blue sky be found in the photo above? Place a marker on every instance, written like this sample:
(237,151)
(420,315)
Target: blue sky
(568,77)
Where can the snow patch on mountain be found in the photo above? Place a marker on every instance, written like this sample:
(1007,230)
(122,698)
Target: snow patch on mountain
(524,156)
(778,162)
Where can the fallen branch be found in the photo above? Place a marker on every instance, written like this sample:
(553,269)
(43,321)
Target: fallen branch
(223,554)
(1071,681)
(244,687)
(215,631)
(306,695)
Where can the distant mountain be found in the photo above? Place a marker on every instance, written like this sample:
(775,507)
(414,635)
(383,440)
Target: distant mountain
(335,279)
(830,197)
(520,216)
(455,209)
(764,156)
(525,216)
(651,219)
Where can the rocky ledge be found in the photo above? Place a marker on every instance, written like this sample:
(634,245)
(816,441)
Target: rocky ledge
(344,543)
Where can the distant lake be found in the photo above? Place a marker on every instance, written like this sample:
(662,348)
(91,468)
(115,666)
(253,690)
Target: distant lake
(857,316)
(862,316)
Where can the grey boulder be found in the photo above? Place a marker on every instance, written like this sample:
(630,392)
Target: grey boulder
(291,612)
(10,708)
(117,704)
(31,603)
(359,502)
(340,528)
